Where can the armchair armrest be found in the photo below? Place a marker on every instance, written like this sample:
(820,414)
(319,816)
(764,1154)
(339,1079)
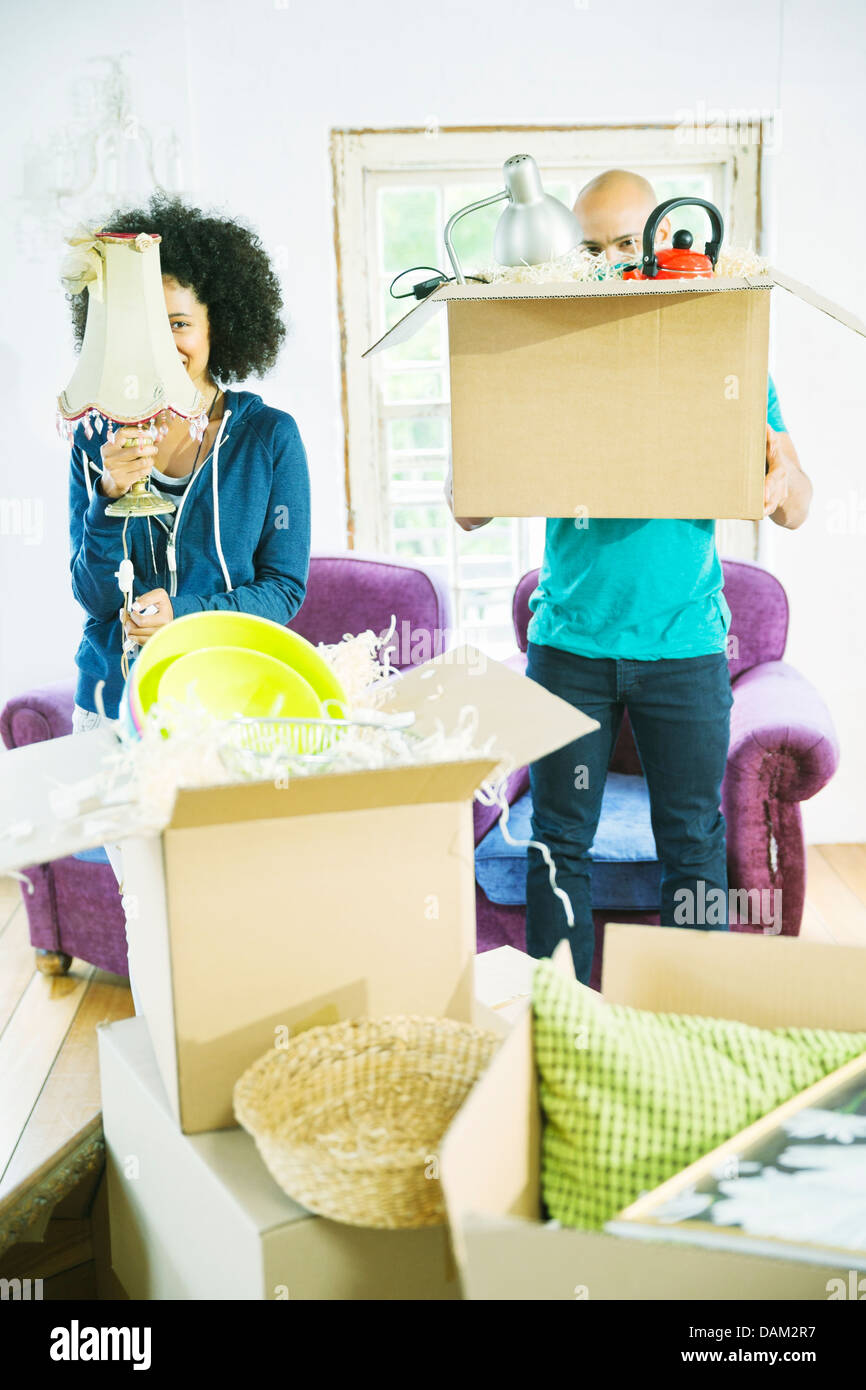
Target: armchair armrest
(38,715)
(782,735)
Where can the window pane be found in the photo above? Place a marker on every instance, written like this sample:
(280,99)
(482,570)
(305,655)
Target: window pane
(473,234)
(693,220)
(482,569)
(536,528)
(488,553)
(496,538)
(417,468)
(414,386)
(565,192)
(408,228)
(427,344)
(420,531)
(425,434)
(485,620)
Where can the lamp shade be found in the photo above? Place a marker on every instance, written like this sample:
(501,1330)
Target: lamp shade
(534,227)
(129,370)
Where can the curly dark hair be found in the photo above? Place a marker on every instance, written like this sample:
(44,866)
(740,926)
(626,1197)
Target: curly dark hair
(227,268)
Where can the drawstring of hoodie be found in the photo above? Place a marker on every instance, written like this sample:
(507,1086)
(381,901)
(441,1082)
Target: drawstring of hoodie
(216,503)
(170,546)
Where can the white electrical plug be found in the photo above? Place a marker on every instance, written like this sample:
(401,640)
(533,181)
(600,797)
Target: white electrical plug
(125,576)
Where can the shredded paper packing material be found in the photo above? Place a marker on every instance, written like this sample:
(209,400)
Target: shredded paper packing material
(135,788)
(574,265)
(579,265)
(734,263)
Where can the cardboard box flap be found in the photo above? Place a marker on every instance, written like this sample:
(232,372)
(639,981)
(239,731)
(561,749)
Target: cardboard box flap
(317,795)
(409,325)
(781,981)
(227,1157)
(818,301)
(28,776)
(490,1159)
(522,719)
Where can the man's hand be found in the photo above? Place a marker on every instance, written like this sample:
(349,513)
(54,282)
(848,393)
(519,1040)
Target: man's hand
(776,478)
(141,626)
(787,490)
(467,523)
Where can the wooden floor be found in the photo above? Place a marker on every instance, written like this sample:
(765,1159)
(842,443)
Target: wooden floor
(51,1152)
(51,1204)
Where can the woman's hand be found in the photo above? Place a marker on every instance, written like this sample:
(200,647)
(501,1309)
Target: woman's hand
(141,626)
(128,458)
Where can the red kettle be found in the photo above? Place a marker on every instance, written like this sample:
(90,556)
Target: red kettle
(678,262)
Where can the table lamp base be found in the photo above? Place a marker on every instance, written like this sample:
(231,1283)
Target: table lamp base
(140,502)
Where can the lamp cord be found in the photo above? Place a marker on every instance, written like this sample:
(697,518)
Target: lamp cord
(124,654)
(422,288)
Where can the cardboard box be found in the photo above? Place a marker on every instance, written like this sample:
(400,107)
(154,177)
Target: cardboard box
(609,399)
(769,1145)
(490,1157)
(201,1217)
(503,981)
(342,895)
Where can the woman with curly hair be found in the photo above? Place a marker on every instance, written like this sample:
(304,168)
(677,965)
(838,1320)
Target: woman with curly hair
(239,538)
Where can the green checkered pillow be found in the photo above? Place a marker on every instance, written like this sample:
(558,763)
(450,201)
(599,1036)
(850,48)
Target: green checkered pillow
(632,1097)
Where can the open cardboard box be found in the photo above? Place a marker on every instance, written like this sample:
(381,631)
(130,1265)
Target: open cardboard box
(200,1217)
(616,398)
(260,908)
(769,1145)
(490,1157)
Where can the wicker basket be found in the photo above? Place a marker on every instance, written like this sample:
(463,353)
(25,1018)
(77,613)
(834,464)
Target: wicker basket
(348,1118)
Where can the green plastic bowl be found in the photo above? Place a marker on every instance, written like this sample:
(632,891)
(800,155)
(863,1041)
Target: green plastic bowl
(201,631)
(236,682)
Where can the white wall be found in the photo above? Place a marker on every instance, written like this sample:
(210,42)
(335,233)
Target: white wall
(253,90)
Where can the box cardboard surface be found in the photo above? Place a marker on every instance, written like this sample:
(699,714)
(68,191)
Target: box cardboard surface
(342,895)
(201,1217)
(611,398)
(503,981)
(642,1218)
(490,1157)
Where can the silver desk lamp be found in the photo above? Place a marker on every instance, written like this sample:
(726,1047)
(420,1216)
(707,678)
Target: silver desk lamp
(534,227)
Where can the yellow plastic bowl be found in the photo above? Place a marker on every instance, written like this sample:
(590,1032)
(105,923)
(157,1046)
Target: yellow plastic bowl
(200,631)
(234,681)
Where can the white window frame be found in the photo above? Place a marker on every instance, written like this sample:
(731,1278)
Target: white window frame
(365,160)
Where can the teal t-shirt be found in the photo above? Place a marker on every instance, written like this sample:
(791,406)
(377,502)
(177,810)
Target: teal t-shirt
(639,590)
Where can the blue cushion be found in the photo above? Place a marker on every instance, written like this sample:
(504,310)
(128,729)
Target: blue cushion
(93,856)
(625,874)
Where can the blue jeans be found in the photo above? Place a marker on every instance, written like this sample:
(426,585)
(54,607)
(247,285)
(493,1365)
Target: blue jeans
(680,715)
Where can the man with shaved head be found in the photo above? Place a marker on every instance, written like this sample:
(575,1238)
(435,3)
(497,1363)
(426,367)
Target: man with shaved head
(630,615)
(612,211)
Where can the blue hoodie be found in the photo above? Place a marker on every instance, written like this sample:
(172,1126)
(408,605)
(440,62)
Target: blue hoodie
(241,540)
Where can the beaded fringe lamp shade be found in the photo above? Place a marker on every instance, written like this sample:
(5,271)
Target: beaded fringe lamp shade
(129,371)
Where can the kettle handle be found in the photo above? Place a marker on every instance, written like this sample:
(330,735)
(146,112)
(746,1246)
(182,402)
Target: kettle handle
(650,265)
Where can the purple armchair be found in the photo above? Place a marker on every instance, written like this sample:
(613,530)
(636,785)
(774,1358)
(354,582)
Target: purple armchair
(75,908)
(783,750)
